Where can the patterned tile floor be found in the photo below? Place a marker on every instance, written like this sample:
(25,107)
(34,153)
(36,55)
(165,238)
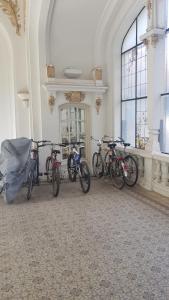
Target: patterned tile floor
(107,245)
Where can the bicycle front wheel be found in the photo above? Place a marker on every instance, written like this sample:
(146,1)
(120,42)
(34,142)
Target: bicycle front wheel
(84,177)
(55,181)
(130,170)
(117,174)
(97,164)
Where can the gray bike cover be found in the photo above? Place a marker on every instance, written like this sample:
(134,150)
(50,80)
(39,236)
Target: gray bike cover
(15,161)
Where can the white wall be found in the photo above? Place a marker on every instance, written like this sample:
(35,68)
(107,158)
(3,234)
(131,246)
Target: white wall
(13,56)
(7,108)
(72,34)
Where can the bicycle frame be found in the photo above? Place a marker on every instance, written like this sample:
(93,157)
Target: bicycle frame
(35,156)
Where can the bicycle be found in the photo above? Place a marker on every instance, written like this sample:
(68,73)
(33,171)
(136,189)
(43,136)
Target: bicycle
(123,169)
(130,165)
(33,176)
(100,164)
(97,160)
(53,169)
(76,166)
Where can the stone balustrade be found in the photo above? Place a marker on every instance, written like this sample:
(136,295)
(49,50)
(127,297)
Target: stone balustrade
(153,170)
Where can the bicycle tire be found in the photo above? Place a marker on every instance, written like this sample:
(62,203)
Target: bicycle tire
(130,171)
(107,163)
(71,169)
(84,177)
(117,174)
(55,181)
(49,169)
(30,185)
(97,165)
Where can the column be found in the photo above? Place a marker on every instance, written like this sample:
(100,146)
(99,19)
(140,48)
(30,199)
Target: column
(155,42)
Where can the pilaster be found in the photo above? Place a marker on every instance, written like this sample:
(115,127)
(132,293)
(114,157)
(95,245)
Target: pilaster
(155,42)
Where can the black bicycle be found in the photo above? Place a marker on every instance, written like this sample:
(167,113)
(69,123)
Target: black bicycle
(78,167)
(34,174)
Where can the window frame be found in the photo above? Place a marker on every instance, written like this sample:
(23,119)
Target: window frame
(137,44)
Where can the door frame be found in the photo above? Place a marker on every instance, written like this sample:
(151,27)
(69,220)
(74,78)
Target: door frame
(87,110)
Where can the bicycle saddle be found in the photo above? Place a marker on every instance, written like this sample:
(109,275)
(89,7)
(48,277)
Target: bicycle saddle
(56,151)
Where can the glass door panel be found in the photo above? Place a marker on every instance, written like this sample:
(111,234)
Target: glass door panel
(72,124)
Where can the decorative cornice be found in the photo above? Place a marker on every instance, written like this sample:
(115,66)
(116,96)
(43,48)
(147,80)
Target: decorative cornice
(12,10)
(75,97)
(152,36)
(67,85)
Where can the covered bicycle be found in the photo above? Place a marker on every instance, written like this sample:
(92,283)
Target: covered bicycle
(15,166)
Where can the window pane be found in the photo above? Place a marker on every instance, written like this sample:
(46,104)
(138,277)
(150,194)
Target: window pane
(141,24)
(130,39)
(73,131)
(81,131)
(65,132)
(81,114)
(167,61)
(141,127)
(164,124)
(128,122)
(64,114)
(128,74)
(141,71)
(73,113)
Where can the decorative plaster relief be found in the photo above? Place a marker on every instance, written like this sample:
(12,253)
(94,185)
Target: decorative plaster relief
(51,100)
(50,71)
(75,97)
(152,36)
(98,104)
(16,12)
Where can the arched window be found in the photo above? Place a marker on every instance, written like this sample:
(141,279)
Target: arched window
(134,84)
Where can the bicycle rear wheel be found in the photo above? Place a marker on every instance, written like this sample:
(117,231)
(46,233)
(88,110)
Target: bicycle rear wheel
(130,170)
(84,177)
(71,168)
(49,169)
(97,164)
(55,181)
(107,163)
(117,174)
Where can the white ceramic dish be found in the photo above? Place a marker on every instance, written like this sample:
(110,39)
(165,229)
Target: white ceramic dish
(71,72)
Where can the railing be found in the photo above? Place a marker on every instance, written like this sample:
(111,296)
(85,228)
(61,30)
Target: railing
(153,170)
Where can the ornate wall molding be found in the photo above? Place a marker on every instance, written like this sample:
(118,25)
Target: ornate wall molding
(75,97)
(16,12)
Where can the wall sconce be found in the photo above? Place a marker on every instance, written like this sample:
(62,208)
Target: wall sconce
(51,101)
(24,96)
(98,104)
